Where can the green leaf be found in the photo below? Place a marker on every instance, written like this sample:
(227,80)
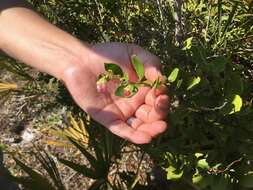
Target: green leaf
(194,82)
(187,43)
(173,173)
(203,164)
(246,181)
(173,75)
(237,102)
(218,65)
(115,69)
(120,91)
(138,67)
(234,84)
(179,83)
(196,179)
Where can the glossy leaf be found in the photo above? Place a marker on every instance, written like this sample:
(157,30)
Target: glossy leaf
(138,67)
(237,103)
(194,82)
(188,43)
(120,91)
(173,75)
(203,164)
(115,69)
(173,173)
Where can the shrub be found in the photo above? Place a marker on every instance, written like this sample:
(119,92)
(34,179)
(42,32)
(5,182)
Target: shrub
(206,51)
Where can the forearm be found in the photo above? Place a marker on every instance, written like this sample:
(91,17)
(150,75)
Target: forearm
(26,36)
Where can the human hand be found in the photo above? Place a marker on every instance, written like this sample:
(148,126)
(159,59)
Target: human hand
(139,118)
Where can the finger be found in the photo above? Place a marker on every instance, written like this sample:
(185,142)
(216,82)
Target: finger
(149,114)
(153,129)
(160,110)
(142,113)
(123,130)
(154,93)
(162,103)
(134,122)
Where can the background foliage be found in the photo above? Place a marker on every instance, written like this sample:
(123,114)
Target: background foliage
(206,50)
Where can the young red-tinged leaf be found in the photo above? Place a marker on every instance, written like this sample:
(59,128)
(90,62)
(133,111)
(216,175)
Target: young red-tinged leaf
(138,67)
(101,84)
(126,91)
(115,69)
(101,88)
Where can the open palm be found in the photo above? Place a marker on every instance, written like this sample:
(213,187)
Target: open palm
(138,118)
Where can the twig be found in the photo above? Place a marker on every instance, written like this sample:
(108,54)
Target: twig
(217,171)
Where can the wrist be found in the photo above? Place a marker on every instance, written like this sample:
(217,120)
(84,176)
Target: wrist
(76,62)
(69,57)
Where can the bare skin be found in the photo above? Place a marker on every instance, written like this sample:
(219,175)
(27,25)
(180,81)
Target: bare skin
(26,36)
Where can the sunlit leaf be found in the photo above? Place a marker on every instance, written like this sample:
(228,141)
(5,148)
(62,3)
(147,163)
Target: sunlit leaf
(194,82)
(138,67)
(173,173)
(196,178)
(203,164)
(188,43)
(237,103)
(173,75)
